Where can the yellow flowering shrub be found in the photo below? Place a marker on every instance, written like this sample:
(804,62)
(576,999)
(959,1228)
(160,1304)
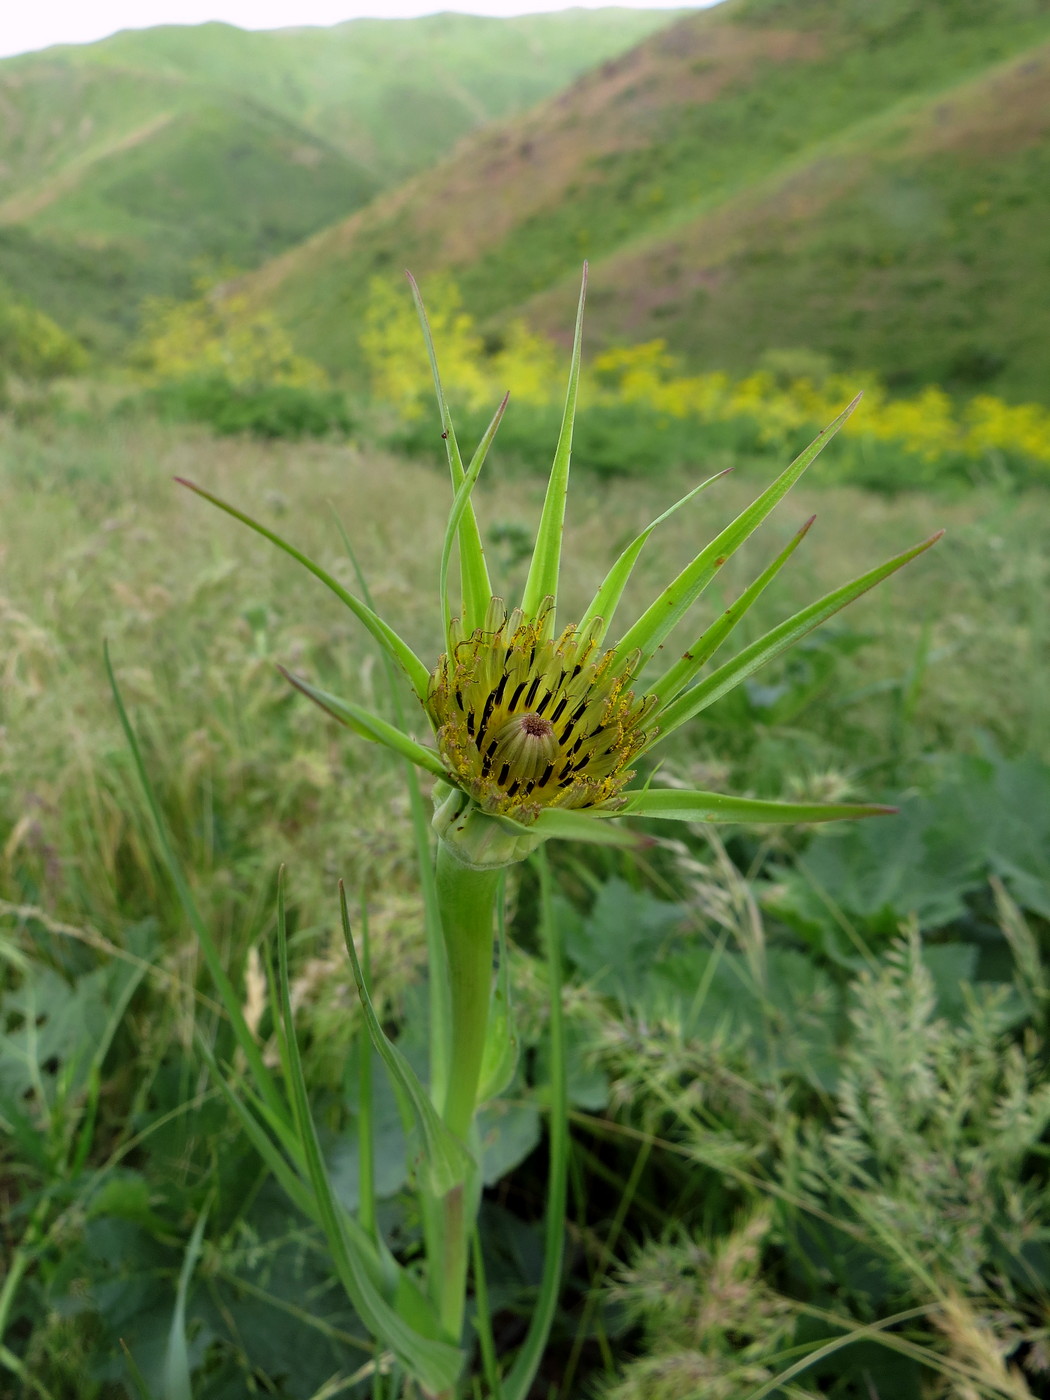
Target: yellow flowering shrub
(928,427)
(214,335)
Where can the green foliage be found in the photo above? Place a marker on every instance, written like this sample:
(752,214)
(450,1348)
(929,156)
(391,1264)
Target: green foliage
(266,411)
(32,346)
(750,1010)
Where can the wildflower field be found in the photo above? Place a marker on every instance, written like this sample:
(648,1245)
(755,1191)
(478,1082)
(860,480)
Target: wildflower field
(807,1077)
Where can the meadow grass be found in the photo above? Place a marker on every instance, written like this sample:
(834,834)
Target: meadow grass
(110,1163)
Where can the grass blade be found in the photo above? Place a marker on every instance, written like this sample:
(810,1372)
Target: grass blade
(605,601)
(676,804)
(138,1379)
(370,726)
(546,556)
(705,646)
(230,1000)
(178,1384)
(434,1363)
(519,1379)
(366,1147)
(656,623)
(474,574)
(774,643)
(459,507)
(401,652)
(445,1160)
(438,993)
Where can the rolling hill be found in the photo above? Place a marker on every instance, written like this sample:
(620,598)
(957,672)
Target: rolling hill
(129,165)
(869,181)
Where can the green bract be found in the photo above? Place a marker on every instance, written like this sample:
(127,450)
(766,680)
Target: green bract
(537,728)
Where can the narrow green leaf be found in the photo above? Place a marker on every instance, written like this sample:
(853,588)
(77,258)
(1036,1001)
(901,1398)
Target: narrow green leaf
(228,996)
(483,1320)
(137,1377)
(438,995)
(605,601)
(570,825)
(459,506)
(178,1384)
(474,574)
(700,652)
(519,1379)
(674,804)
(546,557)
(719,682)
(248,1109)
(366,1147)
(446,1161)
(434,1363)
(370,726)
(401,652)
(657,622)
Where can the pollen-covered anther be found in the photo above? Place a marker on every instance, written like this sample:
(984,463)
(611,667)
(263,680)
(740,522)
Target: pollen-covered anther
(527,745)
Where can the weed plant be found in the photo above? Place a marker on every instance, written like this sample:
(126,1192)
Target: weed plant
(115,1140)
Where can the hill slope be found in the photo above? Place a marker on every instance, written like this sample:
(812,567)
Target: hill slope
(139,158)
(650,164)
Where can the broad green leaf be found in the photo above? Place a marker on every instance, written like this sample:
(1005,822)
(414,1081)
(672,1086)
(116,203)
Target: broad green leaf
(435,1364)
(401,652)
(676,804)
(719,682)
(570,825)
(657,622)
(473,570)
(700,652)
(605,601)
(370,726)
(459,506)
(178,1383)
(446,1161)
(546,556)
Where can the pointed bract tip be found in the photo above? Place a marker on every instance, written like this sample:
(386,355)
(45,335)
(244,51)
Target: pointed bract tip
(806,526)
(883,811)
(937,534)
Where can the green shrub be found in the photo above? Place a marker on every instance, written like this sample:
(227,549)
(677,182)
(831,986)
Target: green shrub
(265,411)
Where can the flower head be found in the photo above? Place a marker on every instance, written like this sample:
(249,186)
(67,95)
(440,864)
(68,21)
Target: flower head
(537,729)
(526,720)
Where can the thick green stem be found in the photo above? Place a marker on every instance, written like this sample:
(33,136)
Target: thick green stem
(467,899)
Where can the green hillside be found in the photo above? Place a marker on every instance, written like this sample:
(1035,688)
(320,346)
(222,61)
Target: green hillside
(863,180)
(127,165)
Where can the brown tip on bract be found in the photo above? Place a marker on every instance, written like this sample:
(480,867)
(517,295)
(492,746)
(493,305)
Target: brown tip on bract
(805,528)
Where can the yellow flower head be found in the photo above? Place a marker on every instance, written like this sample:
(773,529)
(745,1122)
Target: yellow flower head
(526,720)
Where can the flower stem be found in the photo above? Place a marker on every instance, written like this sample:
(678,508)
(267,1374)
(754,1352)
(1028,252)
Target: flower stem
(467,899)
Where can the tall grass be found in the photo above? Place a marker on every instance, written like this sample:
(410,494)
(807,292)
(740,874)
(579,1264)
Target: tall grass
(116,1141)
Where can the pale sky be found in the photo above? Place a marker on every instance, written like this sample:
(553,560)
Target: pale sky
(36,24)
